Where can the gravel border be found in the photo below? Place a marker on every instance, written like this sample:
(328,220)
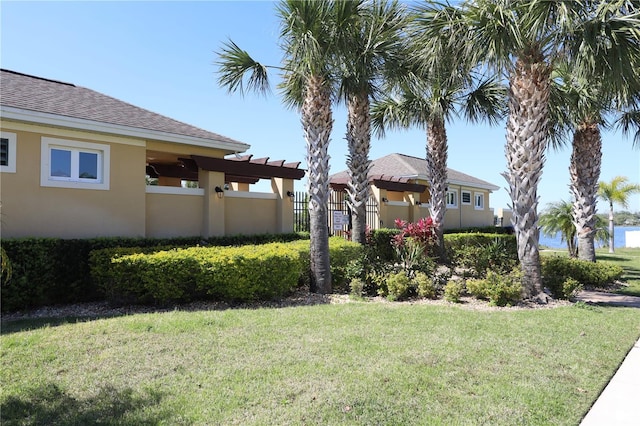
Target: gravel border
(299,298)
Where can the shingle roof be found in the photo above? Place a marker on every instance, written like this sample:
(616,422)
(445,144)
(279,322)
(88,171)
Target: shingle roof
(400,165)
(42,95)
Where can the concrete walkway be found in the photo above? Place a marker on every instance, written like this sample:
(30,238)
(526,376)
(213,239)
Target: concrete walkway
(619,402)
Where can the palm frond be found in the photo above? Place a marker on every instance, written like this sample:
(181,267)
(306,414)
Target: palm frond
(629,123)
(486,102)
(234,65)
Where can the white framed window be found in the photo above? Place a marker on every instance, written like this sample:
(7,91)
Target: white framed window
(465,197)
(479,201)
(74,164)
(452,199)
(8,152)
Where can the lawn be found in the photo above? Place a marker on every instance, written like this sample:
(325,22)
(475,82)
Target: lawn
(352,363)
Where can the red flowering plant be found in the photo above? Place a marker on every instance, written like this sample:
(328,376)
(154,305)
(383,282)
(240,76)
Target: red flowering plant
(414,242)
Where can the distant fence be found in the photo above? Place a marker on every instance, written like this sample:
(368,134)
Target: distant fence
(337,203)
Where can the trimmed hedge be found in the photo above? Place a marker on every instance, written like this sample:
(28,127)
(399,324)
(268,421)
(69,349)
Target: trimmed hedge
(47,271)
(556,270)
(244,273)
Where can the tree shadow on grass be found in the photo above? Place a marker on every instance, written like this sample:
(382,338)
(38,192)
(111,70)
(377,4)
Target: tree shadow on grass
(49,405)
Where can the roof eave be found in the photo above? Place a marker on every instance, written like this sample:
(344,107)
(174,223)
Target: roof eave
(19,114)
(487,186)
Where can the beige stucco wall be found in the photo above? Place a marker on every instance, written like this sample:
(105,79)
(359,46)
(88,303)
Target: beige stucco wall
(29,209)
(170,215)
(250,216)
(466,215)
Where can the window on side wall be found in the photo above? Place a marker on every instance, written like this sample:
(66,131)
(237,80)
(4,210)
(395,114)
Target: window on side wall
(465,197)
(479,201)
(8,152)
(74,164)
(452,199)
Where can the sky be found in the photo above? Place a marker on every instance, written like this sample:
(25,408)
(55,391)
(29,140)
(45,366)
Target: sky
(161,56)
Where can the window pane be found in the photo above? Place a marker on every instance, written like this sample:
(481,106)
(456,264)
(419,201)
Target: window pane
(88,165)
(466,197)
(4,152)
(60,163)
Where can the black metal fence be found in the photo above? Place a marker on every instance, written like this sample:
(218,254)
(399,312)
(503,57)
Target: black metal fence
(337,203)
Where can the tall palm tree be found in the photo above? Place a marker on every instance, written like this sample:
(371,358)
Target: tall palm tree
(432,87)
(588,99)
(308,34)
(523,40)
(431,101)
(372,45)
(617,191)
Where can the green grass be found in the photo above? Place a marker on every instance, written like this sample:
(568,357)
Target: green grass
(356,363)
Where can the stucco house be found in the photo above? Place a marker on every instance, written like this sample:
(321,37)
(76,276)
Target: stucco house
(400,190)
(76,163)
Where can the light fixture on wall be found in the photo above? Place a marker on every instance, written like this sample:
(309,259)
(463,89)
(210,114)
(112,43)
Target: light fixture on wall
(291,195)
(219,192)
(385,200)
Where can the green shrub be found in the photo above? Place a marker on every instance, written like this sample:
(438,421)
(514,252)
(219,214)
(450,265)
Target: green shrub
(570,288)
(500,289)
(557,269)
(380,242)
(453,291)
(481,252)
(425,285)
(242,273)
(50,271)
(357,286)
(398,286)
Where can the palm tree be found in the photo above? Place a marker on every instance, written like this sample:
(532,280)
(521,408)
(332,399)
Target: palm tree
(431,101)
(371,46)
(429,93)
(617,191)
(523,40)
(308,34)
(557,217)
(587,101)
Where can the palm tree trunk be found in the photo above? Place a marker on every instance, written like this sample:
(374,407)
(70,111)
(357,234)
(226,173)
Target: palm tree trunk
(437,152)
(359,141)
(585,172)
(317,123)
(611,229)
(527,131)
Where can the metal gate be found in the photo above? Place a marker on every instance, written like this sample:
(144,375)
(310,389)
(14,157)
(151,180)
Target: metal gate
(337,203)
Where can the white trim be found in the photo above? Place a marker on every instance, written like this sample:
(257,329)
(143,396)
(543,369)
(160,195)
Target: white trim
(11,146)
(45,130)
(464,191)
(255,195)
(173,190)
(12,113)
(398,203)
(104,164)
(425,205)
(475,205)
(451,206)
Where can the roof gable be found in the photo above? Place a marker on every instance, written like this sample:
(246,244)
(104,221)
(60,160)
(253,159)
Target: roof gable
(409,167)
(41,95)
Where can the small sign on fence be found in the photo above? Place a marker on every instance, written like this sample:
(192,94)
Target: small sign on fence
(339,220)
